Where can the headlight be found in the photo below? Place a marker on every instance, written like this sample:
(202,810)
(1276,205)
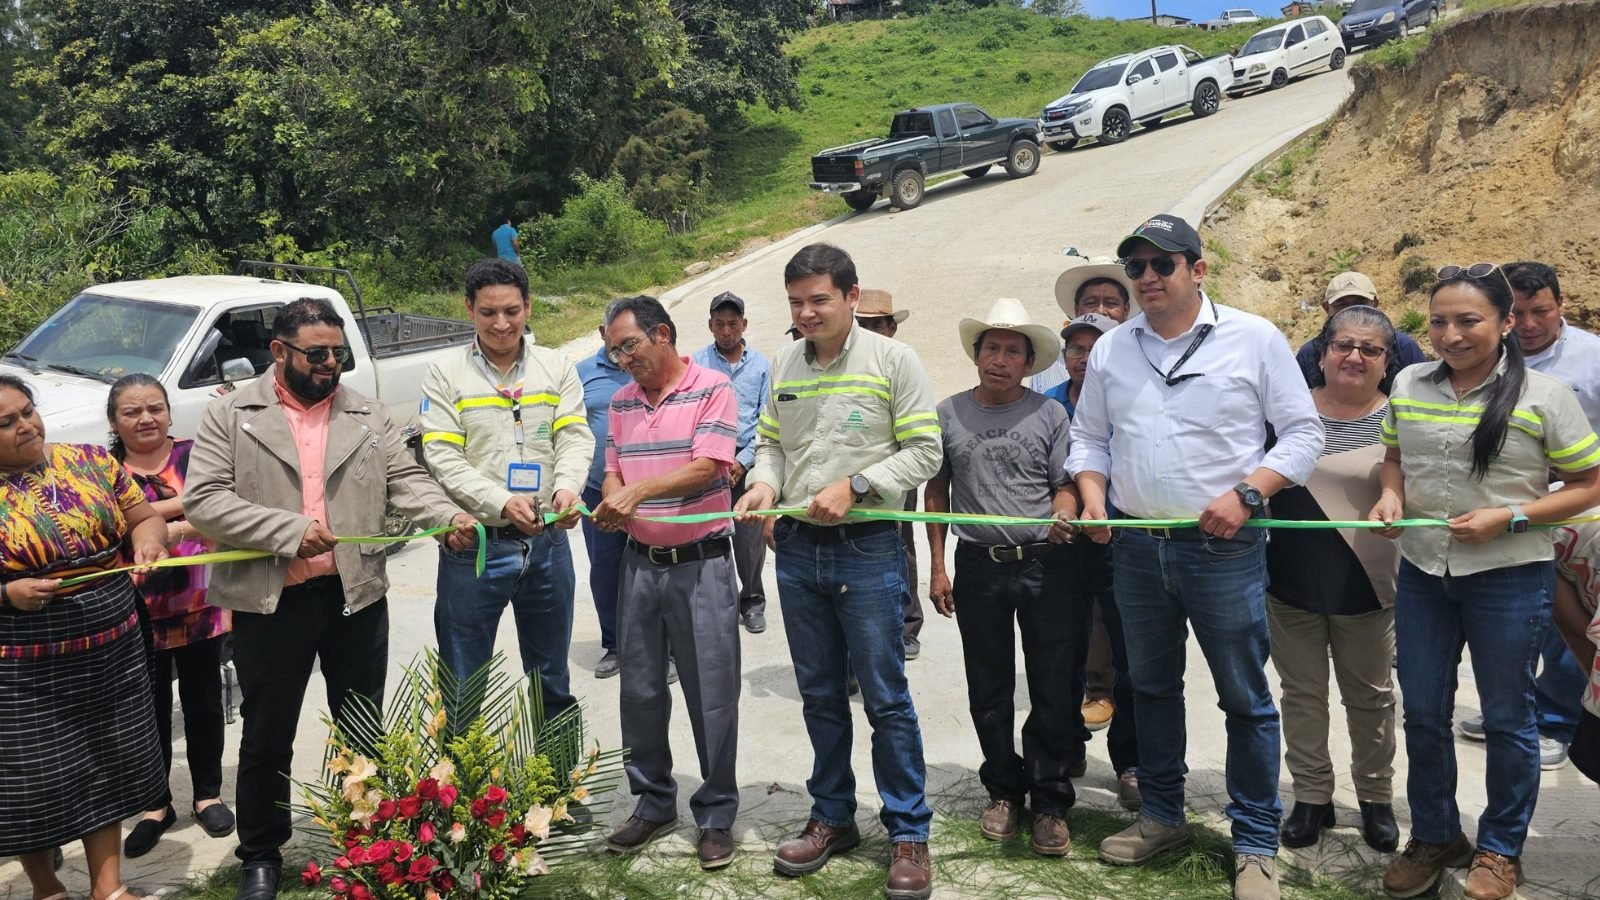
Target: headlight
(1258,67)
(1387,18)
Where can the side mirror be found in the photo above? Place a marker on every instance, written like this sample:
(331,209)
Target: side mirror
(1135,78)
(236,370)
(204,360)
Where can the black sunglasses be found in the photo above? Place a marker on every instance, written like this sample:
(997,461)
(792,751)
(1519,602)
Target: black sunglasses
(1163,265)
(319,355)
(1476,271)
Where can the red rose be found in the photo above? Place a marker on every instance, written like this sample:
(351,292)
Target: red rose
(312,876)
(428,788)
(496,819)
(497,853)
(339,885)
(496,795)
(519,834)
(420,869)
(360,892)
(386,811)
(480,808)
(443,882)
(379,852)
(409,807)
(403,851)
(389,873)
(447,796)
(426,833)
(345,862)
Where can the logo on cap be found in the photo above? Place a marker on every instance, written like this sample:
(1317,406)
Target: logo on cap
(1162,224)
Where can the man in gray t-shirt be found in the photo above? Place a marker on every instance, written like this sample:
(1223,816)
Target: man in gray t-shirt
(1005,450)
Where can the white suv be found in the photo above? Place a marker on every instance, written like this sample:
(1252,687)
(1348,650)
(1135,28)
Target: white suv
(1286,50)
(1134,88)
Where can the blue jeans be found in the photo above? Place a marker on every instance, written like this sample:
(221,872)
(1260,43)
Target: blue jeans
(1502,616)
(605,570)
(1219,588)
(842,604)
(534,575)
(1558,691)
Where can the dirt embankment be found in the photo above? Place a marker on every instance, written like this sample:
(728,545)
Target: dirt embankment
(1486,148)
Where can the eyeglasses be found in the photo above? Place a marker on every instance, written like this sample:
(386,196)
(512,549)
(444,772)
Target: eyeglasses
(1477,271)
(1345,348)
(627,348)
(1073,351)
(1090,304)
(1163,266)
(319,355)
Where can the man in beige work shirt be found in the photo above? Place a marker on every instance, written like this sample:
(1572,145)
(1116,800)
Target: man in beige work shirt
(850,423)
(504,432)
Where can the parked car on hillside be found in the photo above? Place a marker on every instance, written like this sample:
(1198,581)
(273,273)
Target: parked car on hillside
(1231,17)
(1287,50)
(1136,87)
(924,143)
(1372,22)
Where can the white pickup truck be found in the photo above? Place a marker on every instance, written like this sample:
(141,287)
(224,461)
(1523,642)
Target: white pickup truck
(1135,87)
(203,336)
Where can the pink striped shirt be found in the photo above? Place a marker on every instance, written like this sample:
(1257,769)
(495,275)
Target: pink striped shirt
(697,419)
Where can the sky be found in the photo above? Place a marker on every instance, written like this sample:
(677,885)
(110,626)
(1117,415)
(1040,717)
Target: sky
(1198,10)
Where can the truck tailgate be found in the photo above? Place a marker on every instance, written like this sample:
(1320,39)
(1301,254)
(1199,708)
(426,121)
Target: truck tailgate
(390,334)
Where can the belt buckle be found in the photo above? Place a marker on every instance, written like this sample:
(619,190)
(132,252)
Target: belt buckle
(1160,534)
(671,556)
(1009,554)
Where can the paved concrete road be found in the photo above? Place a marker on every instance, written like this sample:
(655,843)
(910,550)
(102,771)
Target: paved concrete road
(971,241)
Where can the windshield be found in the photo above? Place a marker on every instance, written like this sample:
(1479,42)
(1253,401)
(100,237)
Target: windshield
(1362,6)
(1261,43)
(1099,77)
(1239,13)
(108,337)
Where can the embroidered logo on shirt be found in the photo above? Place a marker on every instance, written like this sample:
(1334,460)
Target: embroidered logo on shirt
(543,431)
(854,420)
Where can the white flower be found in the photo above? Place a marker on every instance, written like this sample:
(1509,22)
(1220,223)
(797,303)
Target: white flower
(458,833)
(537,822)
(535,864)
(444,772)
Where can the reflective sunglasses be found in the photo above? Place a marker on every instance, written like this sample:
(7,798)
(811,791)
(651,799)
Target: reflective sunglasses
(1163,266)
(1368,351)
(1476,271)
(319,355)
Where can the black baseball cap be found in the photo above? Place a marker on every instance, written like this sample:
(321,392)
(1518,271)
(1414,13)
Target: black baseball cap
(1166,232)
(727,298)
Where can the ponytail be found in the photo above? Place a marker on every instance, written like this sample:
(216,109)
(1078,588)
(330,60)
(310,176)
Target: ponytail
(1490,435)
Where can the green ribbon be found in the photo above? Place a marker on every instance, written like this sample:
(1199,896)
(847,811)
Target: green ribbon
(227,556)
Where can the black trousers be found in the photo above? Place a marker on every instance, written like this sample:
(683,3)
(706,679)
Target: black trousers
(199,667)
(1092,575)
(274,655)
(1585,747)
(993,599)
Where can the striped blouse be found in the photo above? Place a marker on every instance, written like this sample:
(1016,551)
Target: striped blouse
(1341,435)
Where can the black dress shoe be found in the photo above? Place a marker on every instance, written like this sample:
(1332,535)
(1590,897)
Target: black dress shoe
(1304,825)
(216,820)
(1378,827)
(258,883)
(142,839)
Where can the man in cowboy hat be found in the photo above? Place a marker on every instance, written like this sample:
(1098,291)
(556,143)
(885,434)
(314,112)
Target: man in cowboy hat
(876,312)
(1097,286)
(1005,449)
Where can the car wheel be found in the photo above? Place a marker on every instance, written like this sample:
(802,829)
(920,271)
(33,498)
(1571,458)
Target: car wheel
(906,192)
(1023,158)
(861,200)
(1063,146)
(1336,61)
(979,172)
(1280,77)
(1405,29)
(1206,99)
(1432,14)
(1115,125)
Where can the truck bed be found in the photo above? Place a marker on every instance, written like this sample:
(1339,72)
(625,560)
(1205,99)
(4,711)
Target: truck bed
(390,333)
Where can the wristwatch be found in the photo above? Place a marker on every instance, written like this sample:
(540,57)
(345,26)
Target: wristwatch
(860,487)
(1519,522)
(1251,496)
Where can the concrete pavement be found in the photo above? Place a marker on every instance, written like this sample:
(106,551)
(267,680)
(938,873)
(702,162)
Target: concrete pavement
(970,242)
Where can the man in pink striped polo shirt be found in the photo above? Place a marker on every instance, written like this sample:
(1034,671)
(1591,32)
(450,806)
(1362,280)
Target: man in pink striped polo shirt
(670,444)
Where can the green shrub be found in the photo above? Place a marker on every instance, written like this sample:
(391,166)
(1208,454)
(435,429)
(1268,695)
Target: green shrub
(1406,242)
(1339,261)
(1416,274)
(597,225)
(1412,321)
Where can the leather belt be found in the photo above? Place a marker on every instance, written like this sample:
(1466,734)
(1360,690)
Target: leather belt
(1003,553)
(841,533)
(1190,533)
(686,553)
(507,532)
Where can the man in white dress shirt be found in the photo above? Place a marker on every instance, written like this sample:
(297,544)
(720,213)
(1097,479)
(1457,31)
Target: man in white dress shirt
(1214,377)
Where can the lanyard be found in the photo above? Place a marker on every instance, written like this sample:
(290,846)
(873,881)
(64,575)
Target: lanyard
(1171,376)
(512,393)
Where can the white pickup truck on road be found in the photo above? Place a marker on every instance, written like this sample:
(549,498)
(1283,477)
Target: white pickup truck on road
(1135,87)
(203,336)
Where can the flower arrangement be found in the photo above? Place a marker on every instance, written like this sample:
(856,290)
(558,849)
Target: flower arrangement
(415,806)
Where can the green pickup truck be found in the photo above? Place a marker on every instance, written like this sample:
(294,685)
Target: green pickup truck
(924,143)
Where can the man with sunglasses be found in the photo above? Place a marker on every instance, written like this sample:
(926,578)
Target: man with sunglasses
(505,432)
(1181,437)
(283,465)
(1345,290)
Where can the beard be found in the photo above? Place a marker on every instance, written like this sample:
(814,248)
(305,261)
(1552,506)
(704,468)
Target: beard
(306,387)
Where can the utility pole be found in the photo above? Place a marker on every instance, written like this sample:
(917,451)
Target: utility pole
(1153,13)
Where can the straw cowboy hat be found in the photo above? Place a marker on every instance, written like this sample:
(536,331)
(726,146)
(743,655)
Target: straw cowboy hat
(1100,267)
(875,303)
(1009,315)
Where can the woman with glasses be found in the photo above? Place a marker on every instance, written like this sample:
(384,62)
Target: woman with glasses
(1333,592)
(1471,440)
(188,634)
(78,745)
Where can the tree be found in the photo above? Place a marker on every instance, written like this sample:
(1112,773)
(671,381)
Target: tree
(19,47)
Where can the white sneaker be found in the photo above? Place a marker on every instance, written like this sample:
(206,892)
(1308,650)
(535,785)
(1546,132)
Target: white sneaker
(1552,754)
(1472,729)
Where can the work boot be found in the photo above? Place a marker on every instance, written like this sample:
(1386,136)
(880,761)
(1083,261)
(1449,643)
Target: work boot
(1097,713)
(910,872)
(1304,824)
(635,833)
(1492,876)
(999,820)
(1051,837)
(810,851)
(1417,869)
(1142,840)
(1128,796)
(1255,877)
(715,848)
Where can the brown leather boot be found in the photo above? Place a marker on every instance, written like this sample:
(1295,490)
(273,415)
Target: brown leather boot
(999,819)
(1051,837)
(910,872)
(637,832)
(1418,868)
(810,850)
(1493,877)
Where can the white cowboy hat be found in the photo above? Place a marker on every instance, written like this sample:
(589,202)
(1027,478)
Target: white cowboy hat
(1100,267)
(1010,315)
